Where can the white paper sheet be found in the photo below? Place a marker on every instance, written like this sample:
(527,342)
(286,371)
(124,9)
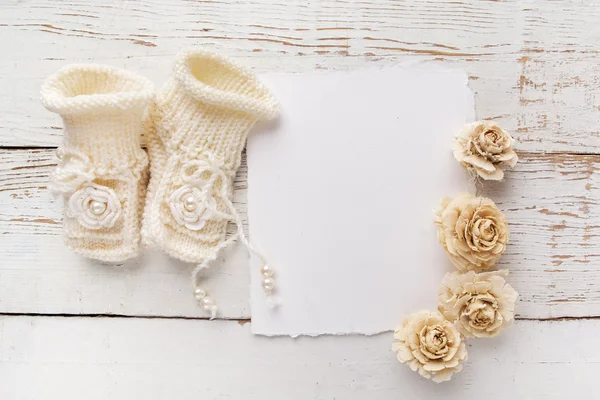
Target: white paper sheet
(341,192)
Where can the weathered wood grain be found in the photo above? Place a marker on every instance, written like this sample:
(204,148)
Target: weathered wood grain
(116,358)
(534,68)
(551,202)
(38,274)
(533,65)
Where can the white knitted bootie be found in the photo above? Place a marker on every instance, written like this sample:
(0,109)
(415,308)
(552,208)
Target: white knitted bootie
(201,119)
(102,170)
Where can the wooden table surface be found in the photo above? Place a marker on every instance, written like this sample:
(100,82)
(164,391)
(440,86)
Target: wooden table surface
(70,328)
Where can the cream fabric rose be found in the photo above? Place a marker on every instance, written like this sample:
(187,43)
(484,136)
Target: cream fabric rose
(482,305)
(431,345)
(94,206)
(484,148)
(473,231)
(192,206)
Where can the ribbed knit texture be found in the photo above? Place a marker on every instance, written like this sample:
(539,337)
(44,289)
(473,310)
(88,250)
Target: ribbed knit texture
(102,171)
(198,130)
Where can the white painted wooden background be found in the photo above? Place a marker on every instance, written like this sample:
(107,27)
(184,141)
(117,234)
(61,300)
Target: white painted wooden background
(70,328)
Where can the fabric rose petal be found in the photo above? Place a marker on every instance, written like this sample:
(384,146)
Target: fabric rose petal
(94,206)
(484,148)
(431,345)
(472,230)
(482,305)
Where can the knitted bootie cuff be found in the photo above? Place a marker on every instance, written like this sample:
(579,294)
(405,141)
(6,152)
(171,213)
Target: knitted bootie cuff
(101,108)
(215,80)
(85,88)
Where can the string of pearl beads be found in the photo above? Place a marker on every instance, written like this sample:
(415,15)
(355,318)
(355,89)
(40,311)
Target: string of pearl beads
(206,302)
(268,282)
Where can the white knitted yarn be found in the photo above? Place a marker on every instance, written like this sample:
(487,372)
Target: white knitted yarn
(102,170)
(200,122)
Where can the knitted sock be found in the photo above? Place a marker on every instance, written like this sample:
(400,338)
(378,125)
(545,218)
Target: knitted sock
(201,120)
(102,170)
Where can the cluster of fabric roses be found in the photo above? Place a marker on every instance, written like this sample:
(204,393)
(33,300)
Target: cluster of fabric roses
(474,233)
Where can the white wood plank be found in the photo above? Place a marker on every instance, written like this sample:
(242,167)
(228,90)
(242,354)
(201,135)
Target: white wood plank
(39,274)
(100,358)
(551,202)
(533,64)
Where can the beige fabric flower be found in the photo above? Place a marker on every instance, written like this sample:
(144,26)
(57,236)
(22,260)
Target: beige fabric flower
(473,231)
(431,345)
(485,149)
(482,305)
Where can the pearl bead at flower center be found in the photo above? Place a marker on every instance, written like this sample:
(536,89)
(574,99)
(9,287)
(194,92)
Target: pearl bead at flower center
(190,202)
(97,207)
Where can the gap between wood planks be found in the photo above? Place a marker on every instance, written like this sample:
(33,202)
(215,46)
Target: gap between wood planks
(241,321)
(520,153)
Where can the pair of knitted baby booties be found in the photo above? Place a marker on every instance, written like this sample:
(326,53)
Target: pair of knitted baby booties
(178,196)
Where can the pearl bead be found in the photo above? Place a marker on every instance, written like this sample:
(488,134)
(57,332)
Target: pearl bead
(267,271)
(97,207)
(268,284)
(190,202)
(207,303)
(199,293)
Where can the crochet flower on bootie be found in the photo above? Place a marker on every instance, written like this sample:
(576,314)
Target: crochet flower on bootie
(94,206)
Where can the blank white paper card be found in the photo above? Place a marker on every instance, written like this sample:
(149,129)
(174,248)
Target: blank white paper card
(341,193)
